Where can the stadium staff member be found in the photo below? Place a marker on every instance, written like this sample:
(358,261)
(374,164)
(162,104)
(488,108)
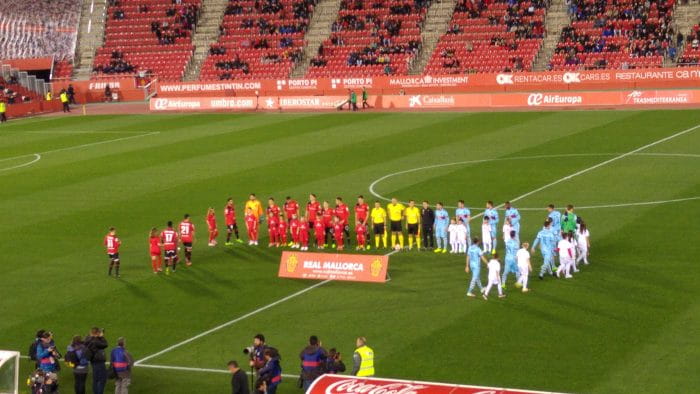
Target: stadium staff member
(239,380)
(255,206)
(427,221)
(121,362)
(3,109)
(312,358)
(378,215)
(64,101)
(363,359)
(395,210)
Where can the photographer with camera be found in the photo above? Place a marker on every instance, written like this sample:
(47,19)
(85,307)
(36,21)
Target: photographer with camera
(46,354)
(256,353)
(312,358)
(32,348)
(333,363)
(270,376)
(41,382)
(75,358)
(95,345)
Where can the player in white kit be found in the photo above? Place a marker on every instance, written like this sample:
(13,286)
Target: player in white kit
(452,230)
(462,234)
(567,256)
(583,242)
(507,228)
(524,266)
(486,240)
(494,277)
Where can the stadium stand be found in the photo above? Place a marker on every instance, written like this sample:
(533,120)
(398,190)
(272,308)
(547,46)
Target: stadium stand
(371,37)
(13,93)
(490,36)
(259,39)
(691,52)
(62,69)
(615,34)
(148,35)
(37,28)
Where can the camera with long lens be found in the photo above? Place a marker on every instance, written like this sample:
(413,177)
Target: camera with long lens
(249,351)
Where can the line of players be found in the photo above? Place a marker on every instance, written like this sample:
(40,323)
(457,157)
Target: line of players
(331,224)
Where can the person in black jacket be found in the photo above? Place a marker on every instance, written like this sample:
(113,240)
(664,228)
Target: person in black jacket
(427,220)
(95,343)
(239,380)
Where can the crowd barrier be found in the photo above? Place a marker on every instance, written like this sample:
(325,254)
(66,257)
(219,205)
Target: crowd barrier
(458,101)
(32,108)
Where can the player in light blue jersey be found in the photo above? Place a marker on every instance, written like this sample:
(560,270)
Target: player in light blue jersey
(555,216)
(514,216)
(474,258)
(545,238)
(511,263)
(463,213)
(442,221)
(492,215)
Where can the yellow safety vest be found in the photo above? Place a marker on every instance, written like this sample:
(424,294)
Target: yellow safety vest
(48,96)
(367,363)
(64,98)
(2,107)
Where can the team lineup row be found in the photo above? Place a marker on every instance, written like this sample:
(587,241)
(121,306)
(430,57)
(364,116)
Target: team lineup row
(330,226)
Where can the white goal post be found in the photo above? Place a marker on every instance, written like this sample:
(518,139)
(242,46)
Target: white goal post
(9,372)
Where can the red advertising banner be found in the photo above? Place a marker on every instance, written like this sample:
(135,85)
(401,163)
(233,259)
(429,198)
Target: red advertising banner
(682,77)
(457,101)
(347,267)
(337,384)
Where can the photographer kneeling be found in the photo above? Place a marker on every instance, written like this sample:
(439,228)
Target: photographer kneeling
(270,376)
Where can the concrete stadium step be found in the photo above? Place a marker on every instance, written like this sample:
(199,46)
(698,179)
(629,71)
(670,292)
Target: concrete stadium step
(90,37)
(325,13)
(206,33)
(436,22)
(685,16)
(556,19)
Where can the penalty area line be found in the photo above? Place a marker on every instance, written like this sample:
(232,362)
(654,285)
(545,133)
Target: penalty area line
(238,319)
(37,157)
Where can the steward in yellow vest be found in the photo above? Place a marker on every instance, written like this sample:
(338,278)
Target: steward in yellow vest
(363,359)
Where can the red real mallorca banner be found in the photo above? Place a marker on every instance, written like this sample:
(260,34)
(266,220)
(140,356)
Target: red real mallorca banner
(335,266)
(337,384)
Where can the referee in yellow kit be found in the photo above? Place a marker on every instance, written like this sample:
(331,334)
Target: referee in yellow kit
(395,210)
(378,216)
(412,214)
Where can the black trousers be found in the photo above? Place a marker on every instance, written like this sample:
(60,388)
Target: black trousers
(3,117)
(66,107)
(427,235)
(80,379)
(99,377)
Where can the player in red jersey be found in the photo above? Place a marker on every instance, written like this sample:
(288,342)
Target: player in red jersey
(291,208)
(251,222)
(338,230)
(187,238)
(361,233)
(327,215)
(303,234)
(282,233)
(273,221)
(294,231)
(154,249)
(112,243)
(342,212)
(313,208)
(361,211)
(231,225)
(169,239)
(320,232)
(211,225)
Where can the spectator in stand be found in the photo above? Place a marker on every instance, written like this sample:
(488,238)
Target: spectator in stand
(121,362)
(96,344)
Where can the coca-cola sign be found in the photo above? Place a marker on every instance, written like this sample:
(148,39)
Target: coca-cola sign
(336,384)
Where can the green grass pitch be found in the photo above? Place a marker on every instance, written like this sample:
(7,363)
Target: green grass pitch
(628,323)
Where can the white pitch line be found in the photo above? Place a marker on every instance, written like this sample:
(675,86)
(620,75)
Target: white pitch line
(606,162)
(236,320)
(82,145)
(37,157)
(191,369)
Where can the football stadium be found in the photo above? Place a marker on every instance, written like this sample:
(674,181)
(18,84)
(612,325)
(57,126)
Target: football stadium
(349,196)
